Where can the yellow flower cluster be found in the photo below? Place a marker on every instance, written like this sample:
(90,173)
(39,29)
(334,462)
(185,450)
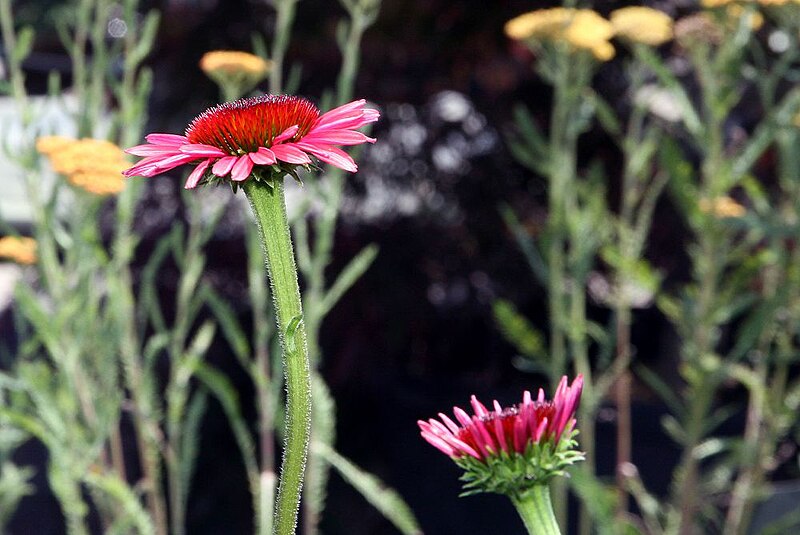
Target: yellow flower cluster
(722,207)
(232,62)
(94,165)
(19,249)
(585,29)
(642,25)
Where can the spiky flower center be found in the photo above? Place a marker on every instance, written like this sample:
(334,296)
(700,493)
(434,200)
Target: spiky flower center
(244,125)
(508,419)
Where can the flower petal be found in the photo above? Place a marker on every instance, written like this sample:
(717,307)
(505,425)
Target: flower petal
(224,165)
(197,174)
(242,168)
(264,156)
(332,155)
(338,137)
(152,150)
(290,153)
(166,139)
(286,134)
(342,111)
(199,149)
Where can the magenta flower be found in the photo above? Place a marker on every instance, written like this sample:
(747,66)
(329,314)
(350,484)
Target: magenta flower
(535,437)
(237,139)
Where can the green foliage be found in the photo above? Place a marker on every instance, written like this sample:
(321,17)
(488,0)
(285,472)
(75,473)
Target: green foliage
(384,499)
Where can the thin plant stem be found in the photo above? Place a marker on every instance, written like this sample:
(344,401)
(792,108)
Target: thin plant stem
(268,205)
(536,511)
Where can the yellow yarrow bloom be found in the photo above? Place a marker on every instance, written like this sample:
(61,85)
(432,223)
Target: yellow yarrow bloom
(94,165)
(19,249)
(722,207)
(234,62)
(234,72)
(583,29)
(642,25)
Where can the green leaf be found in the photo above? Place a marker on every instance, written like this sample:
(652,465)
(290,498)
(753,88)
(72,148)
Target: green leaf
(323,423)
(354,269)
(661,388)
(228,397)
(129,502)
(526,244)
(231,328)
(190,436)
(690,118)
(518,331)
(386,500)
(25,39)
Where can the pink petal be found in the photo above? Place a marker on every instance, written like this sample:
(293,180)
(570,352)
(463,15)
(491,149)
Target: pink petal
(224,165)
(439,444)
(290,153)
(199,149)
(152,150)
(537,434)
(197,174)
(500,434)
(519,436)
(166,139)
(242,168)
(341,111)
(451,425)
(332,155)
(338,137)
(264,156)
(477,407)
(174,161)
(286,134)
(462,417)
(352,121)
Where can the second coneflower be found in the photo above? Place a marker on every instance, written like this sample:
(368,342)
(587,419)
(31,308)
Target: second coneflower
(257,137)
(514,450)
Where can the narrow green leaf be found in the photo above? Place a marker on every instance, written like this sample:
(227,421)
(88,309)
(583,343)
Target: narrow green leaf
(384,499)
(354,269)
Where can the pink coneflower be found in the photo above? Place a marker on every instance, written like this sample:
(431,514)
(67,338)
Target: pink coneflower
(237,138)
(510,429)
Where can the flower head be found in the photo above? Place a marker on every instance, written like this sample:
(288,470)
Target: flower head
(722,207)
(93,165)
(582,29)
(535,439)
(642,25)
(241,71)
(21,250)
(251,136)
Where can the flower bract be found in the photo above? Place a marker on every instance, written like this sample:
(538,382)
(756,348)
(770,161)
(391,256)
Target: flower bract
(256,137)
(506,450)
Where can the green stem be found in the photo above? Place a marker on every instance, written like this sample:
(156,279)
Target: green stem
(536,511)
(269,207)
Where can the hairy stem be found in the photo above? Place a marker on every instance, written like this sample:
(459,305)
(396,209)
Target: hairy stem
(268,205)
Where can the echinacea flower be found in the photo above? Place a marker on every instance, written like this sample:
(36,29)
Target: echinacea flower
(93,165)
(256,137)
(21,250)
(582,29)
(641,24)
(508,450)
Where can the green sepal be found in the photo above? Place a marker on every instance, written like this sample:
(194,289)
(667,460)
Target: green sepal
(513,474)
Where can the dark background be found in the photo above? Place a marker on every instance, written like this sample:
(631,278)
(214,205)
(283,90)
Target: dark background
(415,335)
